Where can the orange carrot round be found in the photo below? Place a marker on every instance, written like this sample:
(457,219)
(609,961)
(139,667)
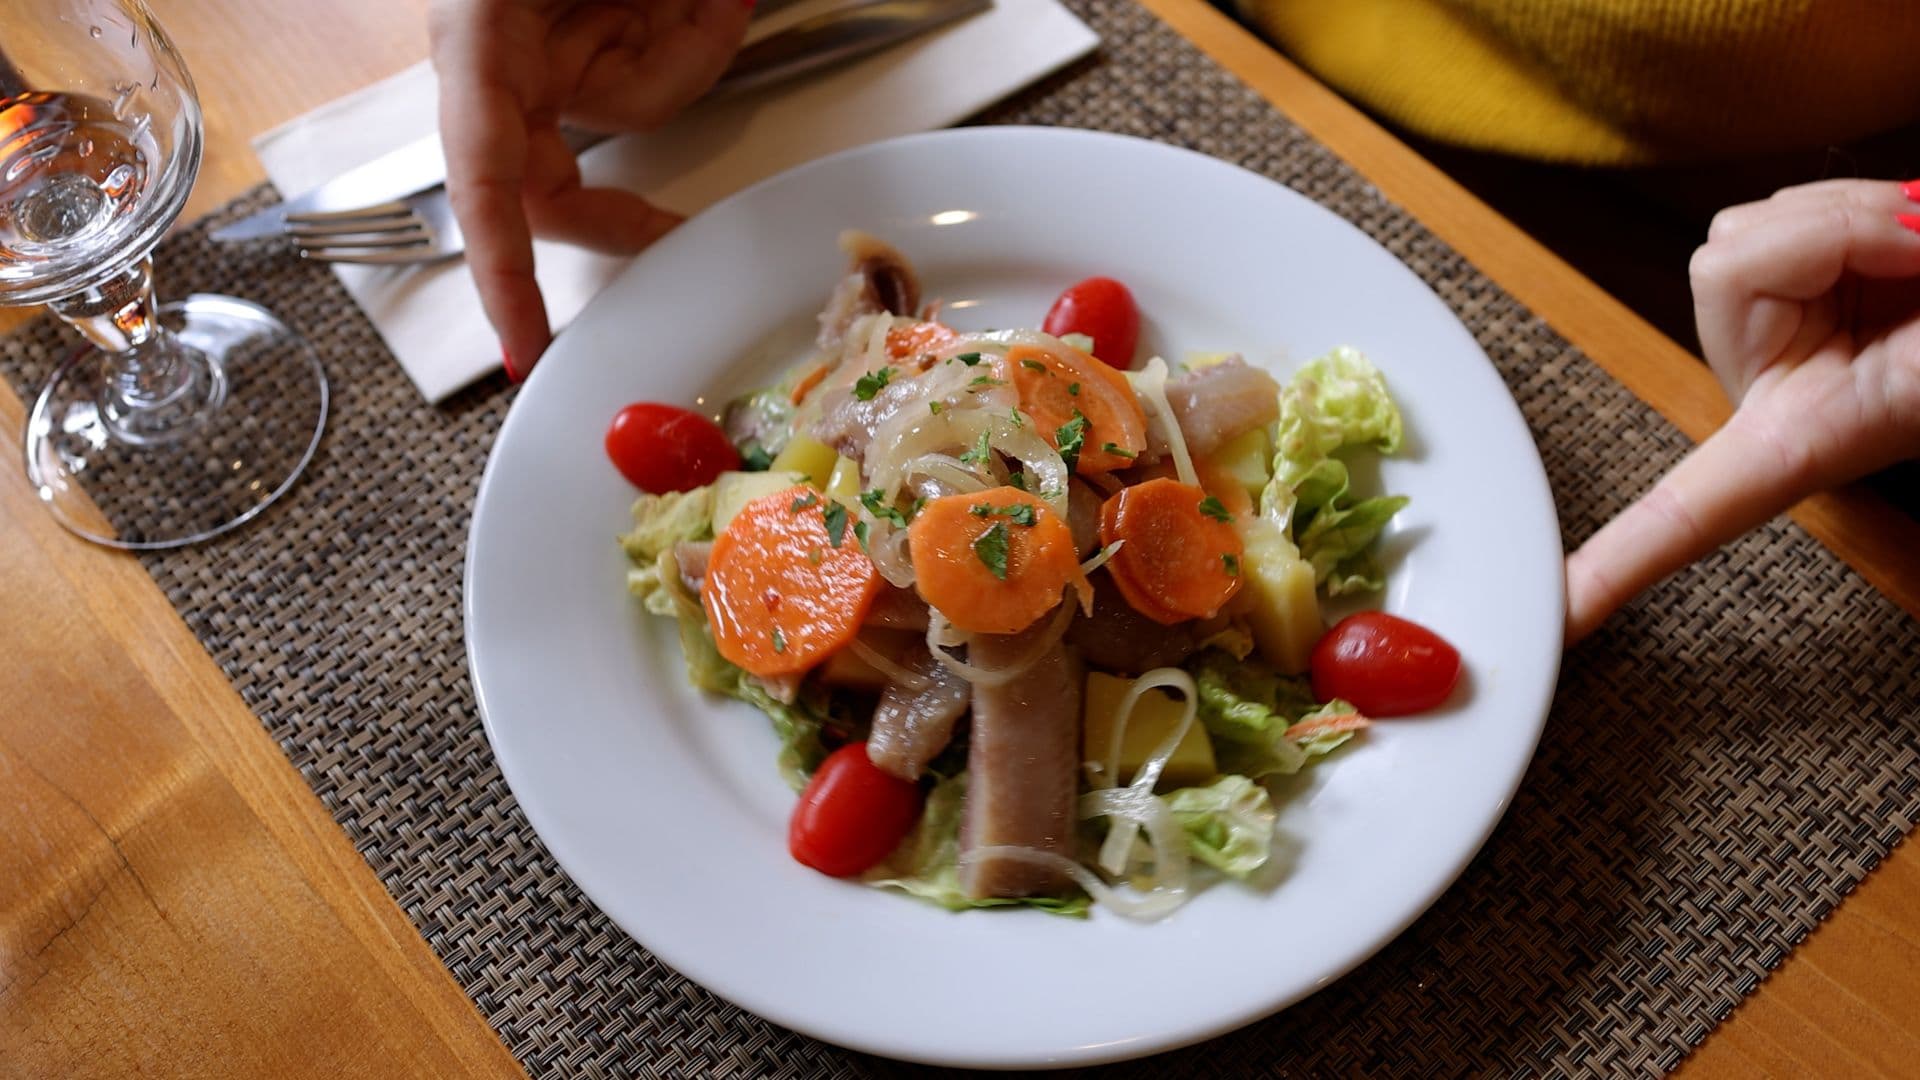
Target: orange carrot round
(1181,554)
(991,562)
(780,593)
(1057,386)
(919,340)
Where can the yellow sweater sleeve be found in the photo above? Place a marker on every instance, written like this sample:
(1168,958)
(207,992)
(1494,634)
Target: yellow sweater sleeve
(1614,82)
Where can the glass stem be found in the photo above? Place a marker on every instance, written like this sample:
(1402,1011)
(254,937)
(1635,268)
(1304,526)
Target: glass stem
(154,384)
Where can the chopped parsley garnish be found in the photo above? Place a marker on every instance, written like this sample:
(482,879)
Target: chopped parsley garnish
(1034,365)
(836,523)
(779,641)
(1074,389)
(933,407)
(870,383)
(1072,438)
(968,358)
(1018,420)
(1232,564)
(1018,513)
(1118,451)
(756,459)
(992,550)
(805,502)
(876,503)
(914,510)
(1018,480)
(1215,509)
(987,380)
(980,454)
(860,534)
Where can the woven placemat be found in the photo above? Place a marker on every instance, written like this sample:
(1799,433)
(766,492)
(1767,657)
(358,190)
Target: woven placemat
(1725,760)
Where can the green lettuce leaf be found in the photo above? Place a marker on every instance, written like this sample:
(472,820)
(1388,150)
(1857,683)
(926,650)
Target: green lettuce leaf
(659,522)
(760,424)
(1229,823)
(800,726)
(1247,707)
(1334,403)
(1334,532)
(927,862)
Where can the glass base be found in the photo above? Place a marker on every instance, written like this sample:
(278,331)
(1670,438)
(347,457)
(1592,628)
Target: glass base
(231,444)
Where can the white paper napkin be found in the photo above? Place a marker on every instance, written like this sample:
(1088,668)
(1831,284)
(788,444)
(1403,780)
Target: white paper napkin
(430,316)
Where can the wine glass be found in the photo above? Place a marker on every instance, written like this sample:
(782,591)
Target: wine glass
(178,421)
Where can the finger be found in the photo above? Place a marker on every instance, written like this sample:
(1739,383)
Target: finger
(485,94)
(1739,218)
(601,219)
(1751,287)
(662,70)
(1740,477)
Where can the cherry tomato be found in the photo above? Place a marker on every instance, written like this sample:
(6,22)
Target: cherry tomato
(1385,665)
(851,815)
(661,448)
(1102,309)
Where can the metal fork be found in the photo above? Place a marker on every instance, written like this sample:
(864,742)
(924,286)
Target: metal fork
(419,228)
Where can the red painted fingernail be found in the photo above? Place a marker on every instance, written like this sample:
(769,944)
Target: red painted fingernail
(506,361)
(1911,189)
(1911,221)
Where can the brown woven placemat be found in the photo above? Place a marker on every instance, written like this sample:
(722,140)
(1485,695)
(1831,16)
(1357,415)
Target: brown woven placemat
(1725,760)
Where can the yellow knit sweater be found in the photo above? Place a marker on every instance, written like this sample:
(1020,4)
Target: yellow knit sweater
(1614,82)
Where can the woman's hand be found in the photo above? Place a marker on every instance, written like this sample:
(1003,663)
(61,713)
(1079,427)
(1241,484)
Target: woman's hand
(1809,312)
(510,72)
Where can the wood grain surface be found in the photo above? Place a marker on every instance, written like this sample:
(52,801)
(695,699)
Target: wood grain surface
(175,901)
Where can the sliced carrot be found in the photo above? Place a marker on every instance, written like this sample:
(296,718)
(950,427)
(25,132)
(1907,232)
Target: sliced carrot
(1327,725)
(1181,554)
(978,562)
(807,382)
(920,339)
(1057,385)
(780,595)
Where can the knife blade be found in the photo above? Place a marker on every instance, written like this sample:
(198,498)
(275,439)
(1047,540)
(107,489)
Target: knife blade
(807,46)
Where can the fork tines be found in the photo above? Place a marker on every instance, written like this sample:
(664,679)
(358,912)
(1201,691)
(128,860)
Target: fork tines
(392,232)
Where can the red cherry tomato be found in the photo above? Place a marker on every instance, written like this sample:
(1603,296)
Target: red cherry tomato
(661,448)
(1385,665)
(851,815)
(1102,309)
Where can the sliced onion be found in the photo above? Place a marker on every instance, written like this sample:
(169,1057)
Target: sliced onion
(941,635)
(898,673)
(887,547)
(913,434)
(948,471)
(1115,852)
(1099,558)
(876,351)
(1158,904)
(1150,384)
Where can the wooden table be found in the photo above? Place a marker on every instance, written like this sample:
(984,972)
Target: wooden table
(175,901)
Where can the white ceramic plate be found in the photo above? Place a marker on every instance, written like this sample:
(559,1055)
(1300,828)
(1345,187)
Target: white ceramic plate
(665,806)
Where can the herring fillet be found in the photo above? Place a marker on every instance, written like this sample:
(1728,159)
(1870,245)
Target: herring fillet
(911,727)
(1022,767)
